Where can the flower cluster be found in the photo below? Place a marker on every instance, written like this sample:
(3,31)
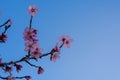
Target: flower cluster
(32,10)
(56,54)
(31,43)
(18,67)
(66,40)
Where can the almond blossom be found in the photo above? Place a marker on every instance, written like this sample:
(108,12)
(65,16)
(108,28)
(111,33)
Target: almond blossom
(40,70)
(66,40)
(54,57)
(32,10)
(18,67)
(31,43)
(30,46)
(29,33)
(57,49)
(8,69)
(36,53)
(3,37)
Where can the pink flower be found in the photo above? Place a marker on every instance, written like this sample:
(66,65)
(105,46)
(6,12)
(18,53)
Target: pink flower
(8,69)
(40,70)
(18,67)
(57,49)
(29,34)
(66,40)
(32,10)
(30,46)
(54,57)
(3,37)
(36,53)
(27,77)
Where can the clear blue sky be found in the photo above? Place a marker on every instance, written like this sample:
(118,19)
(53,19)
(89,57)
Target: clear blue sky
(93,24)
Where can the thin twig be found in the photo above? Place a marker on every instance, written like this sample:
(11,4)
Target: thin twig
(31,22)
(32,64)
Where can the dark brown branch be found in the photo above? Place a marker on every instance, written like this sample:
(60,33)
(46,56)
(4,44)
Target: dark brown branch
(4,23)
(6,28)
(31,22)
(32,64)
(4,78)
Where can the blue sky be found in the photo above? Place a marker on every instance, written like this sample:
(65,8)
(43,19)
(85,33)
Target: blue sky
(93,24)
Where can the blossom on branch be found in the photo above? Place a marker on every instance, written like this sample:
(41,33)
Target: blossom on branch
(3,37)
(66,40)
(27,77)
(29,33)
(57,49)
(32,10)
(54,57)
(8,69)
(36,53)
(31,43)
(40,70)
(30,46)
(18,67)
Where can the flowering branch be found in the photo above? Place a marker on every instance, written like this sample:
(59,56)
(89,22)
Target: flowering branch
(31,47)
(26,58)
(6,26)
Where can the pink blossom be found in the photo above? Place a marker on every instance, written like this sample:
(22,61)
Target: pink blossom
(36,53)
(54,57)
(32,10)
(57,49)
(8,69)
(3,37)
(18,67)
(30,33)
(66,40)
(29,46)
(27,77)
(40,70)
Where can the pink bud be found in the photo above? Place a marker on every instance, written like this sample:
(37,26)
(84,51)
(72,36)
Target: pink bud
(27,77)
(40,70)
